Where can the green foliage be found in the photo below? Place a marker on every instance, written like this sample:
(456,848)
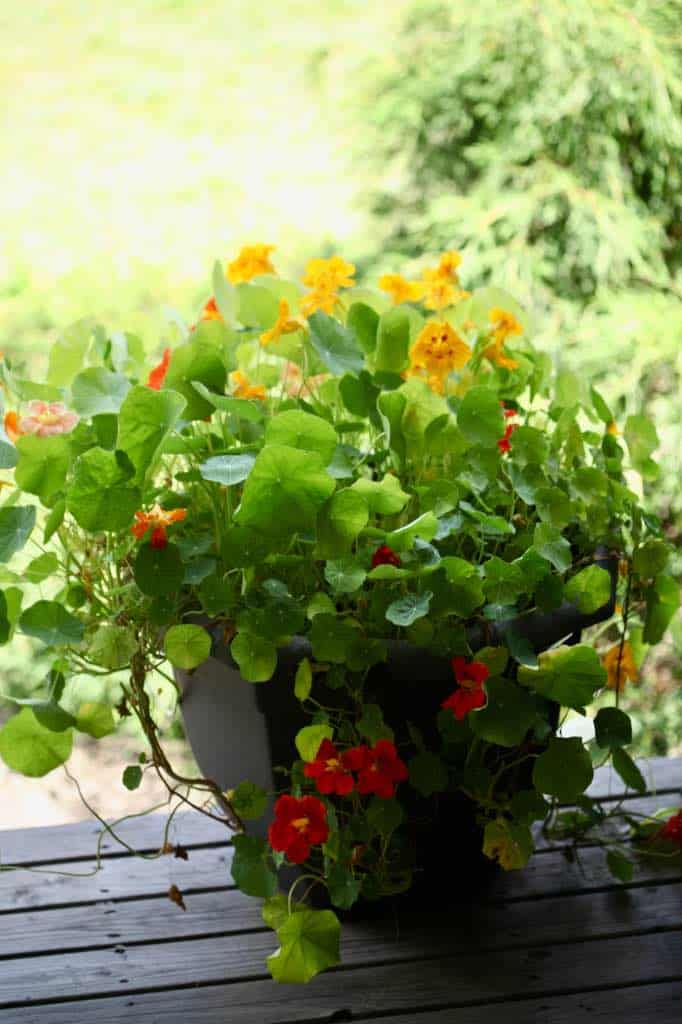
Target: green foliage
(172,520)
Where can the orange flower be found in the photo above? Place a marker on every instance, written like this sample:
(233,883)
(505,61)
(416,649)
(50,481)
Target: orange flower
(504,325)
(251,261)
(157,520)
(12,428)
(439,291)
(400,289)
(620,667)
(437,351)
(211,311)
(243,389)
(158,374)
(285,324)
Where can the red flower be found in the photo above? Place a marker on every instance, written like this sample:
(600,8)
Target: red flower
(158,374)
(504,443)
(298,825)
(329,772)
(385,556)
(672,829)
(471,675)
(379,768)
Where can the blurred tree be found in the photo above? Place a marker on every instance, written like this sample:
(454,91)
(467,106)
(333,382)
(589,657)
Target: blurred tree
(544,138)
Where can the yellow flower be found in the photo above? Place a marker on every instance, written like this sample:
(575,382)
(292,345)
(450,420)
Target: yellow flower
(400,289)
(618,674)
(613,429)
(437,351)
(243,389)
(504,325)
(447,267)
(440,290)
(325,277)
(329,275)
(319,298)
(252,260)
(285,324)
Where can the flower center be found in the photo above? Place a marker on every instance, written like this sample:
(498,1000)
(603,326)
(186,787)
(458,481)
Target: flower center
(332,764)
(301,824)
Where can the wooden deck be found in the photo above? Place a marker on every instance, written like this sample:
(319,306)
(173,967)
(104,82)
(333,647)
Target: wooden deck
(556,944)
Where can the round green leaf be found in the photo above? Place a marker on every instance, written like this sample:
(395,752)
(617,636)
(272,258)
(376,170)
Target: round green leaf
(508,715)
(42,466)
(50,622)
(309,943)
(112,646)
(590,589)
(16,526)
(548,540)
(339,521)
(284,492)
(408,609)
(30,748)
(132,776)
(228,469)
(568,675)
(628,770)
(303,682)
(248,800)
(187,646)
(101,495)
(308,739)
(301,430)
(479,417)
(564,770)
(256,657)
(95,719)
(158,571)
(97,391)
(250,869)
(613,728)
(335,344)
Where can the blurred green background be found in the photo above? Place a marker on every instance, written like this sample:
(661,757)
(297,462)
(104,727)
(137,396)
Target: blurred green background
(140,142)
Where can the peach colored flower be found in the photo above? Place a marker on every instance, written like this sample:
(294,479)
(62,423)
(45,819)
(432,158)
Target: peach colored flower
(46,419)
(296,386)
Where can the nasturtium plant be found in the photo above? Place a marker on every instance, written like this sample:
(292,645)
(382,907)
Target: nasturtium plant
(376,505)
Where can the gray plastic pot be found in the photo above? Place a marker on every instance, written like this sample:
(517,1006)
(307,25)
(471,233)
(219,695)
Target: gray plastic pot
(240,730)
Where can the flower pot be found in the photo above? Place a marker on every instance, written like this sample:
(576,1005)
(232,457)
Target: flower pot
(240,731)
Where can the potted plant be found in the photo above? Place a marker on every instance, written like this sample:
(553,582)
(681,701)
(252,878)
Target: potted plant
(366,529)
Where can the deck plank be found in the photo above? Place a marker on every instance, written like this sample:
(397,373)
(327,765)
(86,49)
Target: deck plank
(156,920)
(555,940)
(79,841)
(374,988)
